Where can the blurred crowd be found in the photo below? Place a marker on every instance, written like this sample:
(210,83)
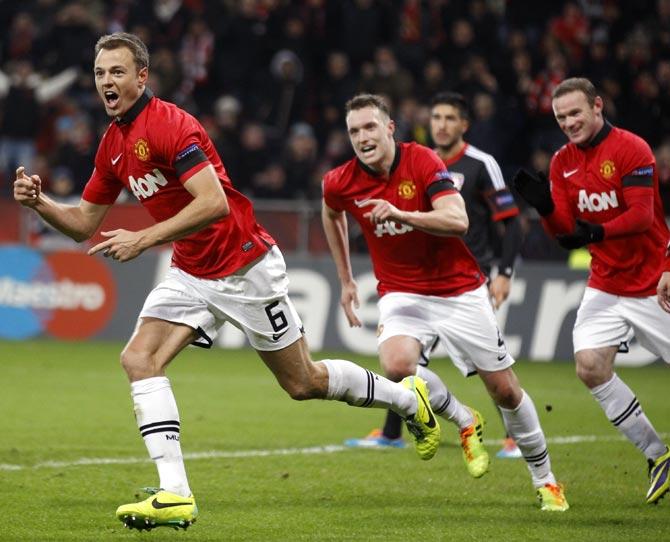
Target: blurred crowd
(269,78)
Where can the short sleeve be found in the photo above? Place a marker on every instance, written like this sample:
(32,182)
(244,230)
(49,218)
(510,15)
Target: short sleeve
(103,187)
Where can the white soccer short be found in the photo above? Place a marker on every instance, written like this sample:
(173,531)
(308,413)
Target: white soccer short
(610,320)
(465,324)
(254,299)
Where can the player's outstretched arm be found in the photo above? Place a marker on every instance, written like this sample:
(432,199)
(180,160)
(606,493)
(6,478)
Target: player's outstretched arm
(337,235)
(79,222)
(448,216)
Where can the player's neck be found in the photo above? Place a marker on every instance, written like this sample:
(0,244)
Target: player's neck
(387,163)
(452,150)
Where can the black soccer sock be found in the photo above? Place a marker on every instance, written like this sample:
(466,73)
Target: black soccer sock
(392,425)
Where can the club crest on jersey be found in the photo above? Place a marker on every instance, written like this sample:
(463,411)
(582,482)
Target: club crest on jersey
(607,169)
(141,149)
(407,189)
(458,179)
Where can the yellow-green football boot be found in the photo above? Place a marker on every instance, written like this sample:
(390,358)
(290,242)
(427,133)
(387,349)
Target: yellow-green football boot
(659,477)
(474,454)
(160,509)
(423,424)
(552,498)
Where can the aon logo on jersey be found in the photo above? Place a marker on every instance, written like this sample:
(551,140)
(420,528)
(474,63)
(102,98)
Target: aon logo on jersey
(391,228)
(148,185)
(597,202)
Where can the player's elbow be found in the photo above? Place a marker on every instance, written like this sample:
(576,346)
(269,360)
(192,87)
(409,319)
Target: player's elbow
(217,209)
(461,226)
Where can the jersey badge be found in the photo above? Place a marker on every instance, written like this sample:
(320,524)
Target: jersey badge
(458,179)
(607,169)
(407,189)
(141,149)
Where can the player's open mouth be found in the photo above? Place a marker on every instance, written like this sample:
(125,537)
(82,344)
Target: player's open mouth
(368,149)
(111,99)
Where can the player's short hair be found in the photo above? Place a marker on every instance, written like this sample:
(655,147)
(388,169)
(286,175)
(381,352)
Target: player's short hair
(124,39)
(576,84)
(367,100)
(454,99)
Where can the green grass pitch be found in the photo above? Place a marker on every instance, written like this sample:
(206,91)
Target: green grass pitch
(65,403)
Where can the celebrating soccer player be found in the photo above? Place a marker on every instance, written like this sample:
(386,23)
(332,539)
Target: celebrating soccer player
(489,205)
(430,285)
(602,192)
(225,267)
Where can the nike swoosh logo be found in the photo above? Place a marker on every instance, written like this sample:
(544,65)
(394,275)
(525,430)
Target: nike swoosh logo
(500,358)
(431,419)
(567,174)
(361,202)
(115,160)
(159,505)
(277,336)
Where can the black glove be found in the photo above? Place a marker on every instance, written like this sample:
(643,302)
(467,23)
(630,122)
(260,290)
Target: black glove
(584,233)
(535,190)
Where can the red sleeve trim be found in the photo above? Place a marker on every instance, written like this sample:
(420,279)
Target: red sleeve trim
(441,193)
(502,215)
(190,172)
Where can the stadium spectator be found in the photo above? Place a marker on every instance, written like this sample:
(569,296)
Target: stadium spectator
(223,270)
(603,194)
(429,284)
(492,216)
(23,91)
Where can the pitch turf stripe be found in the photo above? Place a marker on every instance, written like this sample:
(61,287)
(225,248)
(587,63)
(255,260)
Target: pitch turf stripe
(243,454)
(634,405)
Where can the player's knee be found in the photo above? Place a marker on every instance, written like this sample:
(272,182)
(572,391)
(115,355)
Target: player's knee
(507,396)
(397,366)
(588,371)
(136,364)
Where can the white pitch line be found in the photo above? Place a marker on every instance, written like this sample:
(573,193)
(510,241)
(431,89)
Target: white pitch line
(241,454)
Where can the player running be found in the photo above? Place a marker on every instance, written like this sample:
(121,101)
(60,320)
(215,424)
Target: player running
(490,206)
(429,284)
(602,192)
(225,268)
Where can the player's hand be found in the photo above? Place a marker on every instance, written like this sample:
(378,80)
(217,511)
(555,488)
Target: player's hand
(349,302)
(121,245)
(663,291)
(535,189)
(381,210)
(27,189)
(585,233)
(499,289)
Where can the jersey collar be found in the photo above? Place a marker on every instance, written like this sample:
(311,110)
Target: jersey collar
(136,109)
(450,161)
(602,134)
(394,165)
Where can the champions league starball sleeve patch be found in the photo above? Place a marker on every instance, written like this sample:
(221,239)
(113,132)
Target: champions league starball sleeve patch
(189,157)
(441,182)
(643,176)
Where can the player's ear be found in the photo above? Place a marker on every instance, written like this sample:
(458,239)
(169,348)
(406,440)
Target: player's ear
(391,126)
(142,76)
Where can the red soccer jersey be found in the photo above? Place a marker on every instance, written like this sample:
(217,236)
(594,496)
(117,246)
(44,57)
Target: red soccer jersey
(597,183)
(405,259)
(152,151)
